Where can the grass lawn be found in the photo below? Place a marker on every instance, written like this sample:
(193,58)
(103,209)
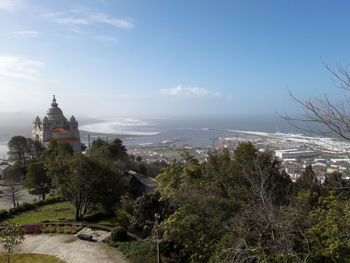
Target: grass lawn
(54,212)
(31,258)
(50,212)
(174,154)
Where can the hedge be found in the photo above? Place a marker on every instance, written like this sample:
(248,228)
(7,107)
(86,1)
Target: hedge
(4,214)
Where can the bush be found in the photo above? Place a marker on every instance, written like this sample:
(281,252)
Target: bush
(27,206)
(49,200)
(32,229)
(119,234)
(98,227)
(3,214)
(134,248)
(61,228)
(94,217)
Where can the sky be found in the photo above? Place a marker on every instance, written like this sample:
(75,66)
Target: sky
(106,58)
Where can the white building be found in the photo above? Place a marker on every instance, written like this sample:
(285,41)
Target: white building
(55,127)
(295,153)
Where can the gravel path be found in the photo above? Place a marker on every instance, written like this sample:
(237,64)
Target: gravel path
(70,249)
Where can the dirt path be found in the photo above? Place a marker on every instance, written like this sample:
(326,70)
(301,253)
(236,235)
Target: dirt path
(70,249)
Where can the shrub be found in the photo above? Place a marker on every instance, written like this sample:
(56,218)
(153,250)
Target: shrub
(134,248)
(97,227)
(27,206)
(3,214)
(32,229)
(119,234)
(45,229)
(50,229)
(61,228)
(95,217)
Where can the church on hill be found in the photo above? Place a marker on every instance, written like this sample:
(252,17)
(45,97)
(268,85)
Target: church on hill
(55,127)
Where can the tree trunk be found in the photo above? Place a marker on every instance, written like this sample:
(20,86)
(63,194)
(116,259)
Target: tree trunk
(13,197)
(77,214)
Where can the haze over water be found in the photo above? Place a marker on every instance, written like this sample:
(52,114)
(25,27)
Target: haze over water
(194,130)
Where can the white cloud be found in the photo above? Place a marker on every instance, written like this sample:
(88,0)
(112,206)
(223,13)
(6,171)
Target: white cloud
(71,21)
(10,5)
(86,18)
(193,91)
(18,67)
(76,29)
(107,38)
(120,23)
(26,33)
(61,13)
(181,90)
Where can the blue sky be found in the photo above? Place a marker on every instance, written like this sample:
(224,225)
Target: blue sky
(162,57)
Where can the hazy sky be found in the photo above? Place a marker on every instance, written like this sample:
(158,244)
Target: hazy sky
(160,57)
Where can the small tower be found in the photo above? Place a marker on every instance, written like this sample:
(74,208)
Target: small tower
(36,128)
(54,103)
(74,126)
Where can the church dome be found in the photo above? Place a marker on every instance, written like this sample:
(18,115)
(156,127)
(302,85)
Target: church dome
(54,113)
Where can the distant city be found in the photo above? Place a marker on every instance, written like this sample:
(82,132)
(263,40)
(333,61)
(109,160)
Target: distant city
(163,140)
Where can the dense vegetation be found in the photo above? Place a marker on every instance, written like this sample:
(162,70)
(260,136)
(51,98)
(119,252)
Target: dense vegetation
(235,207)
(242,208)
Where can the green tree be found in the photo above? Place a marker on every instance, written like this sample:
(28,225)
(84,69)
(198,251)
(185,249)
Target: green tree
(22,149)
(144,209)
(113,151)
(34,149)
(37,179)
(18,149)
(206,198)
(89,183)
(329,232)
(11,235)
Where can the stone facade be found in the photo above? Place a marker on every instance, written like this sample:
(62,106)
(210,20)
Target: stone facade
(55,127)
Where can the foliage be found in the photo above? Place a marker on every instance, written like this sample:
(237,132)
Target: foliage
(119,233)
(37,179)
(240,196)
(22,149)
(145,207)
(88,183)
(135,251)
(18,149)
(32,228)
(3,214)
(61,228)
(15,173)
(330,230)
(113,151)
(11,235)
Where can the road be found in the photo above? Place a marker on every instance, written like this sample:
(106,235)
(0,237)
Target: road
(150,184)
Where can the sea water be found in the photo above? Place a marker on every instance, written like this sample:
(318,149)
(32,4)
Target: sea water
(196,131)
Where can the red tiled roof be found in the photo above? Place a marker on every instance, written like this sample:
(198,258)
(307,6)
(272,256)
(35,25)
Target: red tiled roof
(71,139)
(59,129)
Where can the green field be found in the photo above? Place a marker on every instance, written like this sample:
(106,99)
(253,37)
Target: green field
(52,212)
(30,258)
(176,154)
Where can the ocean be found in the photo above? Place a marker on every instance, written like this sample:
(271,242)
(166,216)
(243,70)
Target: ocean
(195,131)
